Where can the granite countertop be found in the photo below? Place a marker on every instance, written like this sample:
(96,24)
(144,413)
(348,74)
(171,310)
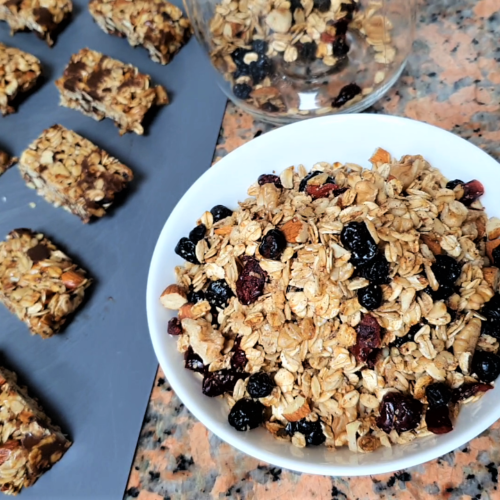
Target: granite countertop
(453,81)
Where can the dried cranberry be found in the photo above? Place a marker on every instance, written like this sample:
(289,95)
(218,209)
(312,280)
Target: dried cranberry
(260,385)
(307,51)
(174,327)
(446,270)
(438,394)
(340,46)
(217,383)
(368,338)
(220,212)
(465,391)
(307,178)
(218,293)
(187,250)
(251,281)
(370,297)
(273,244)
(192,361)
(321,191)
(409,337)
(198,233)
(376,271)
(454,184)
(346,94)
(438,420)
(270,179)
(246,414)
(486,366)
(399,412)
(472,191)
(322,5)
(195,297)
(357,239)
(239,360)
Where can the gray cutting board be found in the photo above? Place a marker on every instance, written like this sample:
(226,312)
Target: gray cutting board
(95,378)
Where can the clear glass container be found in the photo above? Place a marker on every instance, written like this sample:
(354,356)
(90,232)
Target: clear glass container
(286,60)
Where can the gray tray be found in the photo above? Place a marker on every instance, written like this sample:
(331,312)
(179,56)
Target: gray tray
(95,378)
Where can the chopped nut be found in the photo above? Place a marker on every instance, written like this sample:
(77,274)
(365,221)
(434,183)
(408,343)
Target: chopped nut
(297,410)
(295,231)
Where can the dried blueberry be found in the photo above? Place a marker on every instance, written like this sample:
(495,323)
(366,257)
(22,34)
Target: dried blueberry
(270,179)
(295,4)
(219,382)
(409,337)
(174,327)
(312,431)
(259,46)
(340,46)
(304,181)
(195,297)
(368,338)
(307,51)
(454,184)
(316,437)
(491,328)
(370,297)
(218,293)
(444,292)
(238,360)
(486,366)
(438,419)
(465,391)
(438,394)
(220,212)
(242,91)
(376,271)
(193,362)
(260,385)
(187,250)
(341,26)
(399,412)
(472,191)
(198,233)
(238,55)
(246,414)
(273,244)
(491,309)
(322,5)
(269,107)
(346,94)
(260,69)
(446,270)
(251,281)
(358,240)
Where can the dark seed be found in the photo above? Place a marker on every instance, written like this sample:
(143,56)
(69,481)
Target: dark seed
(438,420)
(400,412)
(486,366)
(454,184)
(246,414)
(187,250)
(193,362)
(370,297)
(198,233)
(376,271)
(270,179)
(438,394)
(322,5)
(174,327)
(260,385)
(242,91)
(446,270)
(473,190)
(220,212)
(251,281)
(465,391)
(273,244)
(218,293)
(217,383)
(368,338)
(346,94)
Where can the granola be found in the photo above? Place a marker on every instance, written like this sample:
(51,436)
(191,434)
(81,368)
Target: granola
(359,306)
(39,283)
(6,162)
(102,87)
(19,72)
(30,444)
(70,171)
(46,18)
(157,25)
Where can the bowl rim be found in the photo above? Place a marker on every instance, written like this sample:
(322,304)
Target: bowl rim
(223,431)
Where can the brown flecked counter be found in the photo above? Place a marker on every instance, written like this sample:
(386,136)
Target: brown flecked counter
(452,80)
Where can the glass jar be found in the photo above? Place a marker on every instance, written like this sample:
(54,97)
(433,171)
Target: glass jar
(286,60)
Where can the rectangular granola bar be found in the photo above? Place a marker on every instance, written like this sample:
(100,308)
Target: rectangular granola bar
(157,25)
(19,72)
(45,18)
(102,87)
(70,171)
(29,443)
(5,162)
(38,282)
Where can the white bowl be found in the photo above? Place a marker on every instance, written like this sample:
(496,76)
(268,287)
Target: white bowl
(348,138)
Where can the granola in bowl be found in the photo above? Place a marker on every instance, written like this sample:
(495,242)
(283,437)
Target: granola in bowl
(344,306)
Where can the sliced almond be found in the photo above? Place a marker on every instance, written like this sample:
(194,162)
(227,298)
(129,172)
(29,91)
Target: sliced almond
(297,409)
(72,280)
(295,231)
(173,297)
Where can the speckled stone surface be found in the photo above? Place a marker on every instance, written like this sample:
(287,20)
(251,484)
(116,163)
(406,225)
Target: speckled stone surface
(453,81)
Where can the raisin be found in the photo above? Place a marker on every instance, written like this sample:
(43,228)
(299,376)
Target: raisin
(246,414)
(446,270)
(486,366)
(251,281)
(195,297)
(409,337)
(219,382)
(193,362)
(174,327)
(239,360)
(370,297)
(259,46)
(438,420)
(309,176)
(242,91)
(273,244)
(465,391)
(270,179)
(187,250)
(454,184)
(340,46)
(472,191)
(198,233)
(376,271)
(220,212)
(346,94)
(438,394)
(399,412)
(323,191)
(307,51)
(260,69)
(218,293)
(357,239)
(322,5)
(368,338)
(260,385)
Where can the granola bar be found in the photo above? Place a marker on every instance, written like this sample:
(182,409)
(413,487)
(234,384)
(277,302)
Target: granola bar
(6,162)
(45,18)
(19,72)
(30,444)
(157,25)
(38,282)
(361,307)
(102,87)
(70,171)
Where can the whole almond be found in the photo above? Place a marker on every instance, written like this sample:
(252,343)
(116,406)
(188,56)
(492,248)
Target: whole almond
(173,297)
(297,409)
(72,279)
(295,231)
